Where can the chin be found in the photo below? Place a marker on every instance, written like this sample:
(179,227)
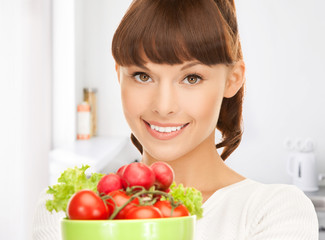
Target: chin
(165,155)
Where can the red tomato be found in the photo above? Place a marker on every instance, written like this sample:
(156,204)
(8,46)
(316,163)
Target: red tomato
(120,197)
(164,175)
(166,209)
(87,205)
(142,212)
(109,183)
(138,174)
(121,170)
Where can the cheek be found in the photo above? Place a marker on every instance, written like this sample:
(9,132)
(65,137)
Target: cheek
(134,102)
(205,108)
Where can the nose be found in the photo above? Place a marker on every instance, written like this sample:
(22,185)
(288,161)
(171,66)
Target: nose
(165,101)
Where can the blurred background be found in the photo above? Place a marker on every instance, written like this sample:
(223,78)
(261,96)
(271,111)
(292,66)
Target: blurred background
(50,50)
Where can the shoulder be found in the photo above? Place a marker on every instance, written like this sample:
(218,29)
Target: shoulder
(285,193)
(279,196)
(282,211)
(257,211)
(46,225)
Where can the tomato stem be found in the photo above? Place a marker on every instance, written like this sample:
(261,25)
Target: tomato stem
(173,203)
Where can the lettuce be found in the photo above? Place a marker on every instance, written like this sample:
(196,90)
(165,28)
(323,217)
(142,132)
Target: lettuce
(70,181)
(190,197)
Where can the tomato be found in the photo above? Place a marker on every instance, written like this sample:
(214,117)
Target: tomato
(166,209)
(109,183)
(142,212)
(164,175)
(87,205)
(120,197)
(138,174)
(121,170)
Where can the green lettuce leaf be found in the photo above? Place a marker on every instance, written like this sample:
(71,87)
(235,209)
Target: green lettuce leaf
(70,181)
(190,197)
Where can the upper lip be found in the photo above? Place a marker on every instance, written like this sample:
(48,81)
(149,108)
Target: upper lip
(158,124)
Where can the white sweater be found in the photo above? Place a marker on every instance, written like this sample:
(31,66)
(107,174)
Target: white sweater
(246,210)
(249,210)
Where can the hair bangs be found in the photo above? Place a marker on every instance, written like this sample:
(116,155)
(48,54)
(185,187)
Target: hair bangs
(171,32)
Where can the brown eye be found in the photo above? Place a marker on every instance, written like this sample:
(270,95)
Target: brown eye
(142,77)
(192,79)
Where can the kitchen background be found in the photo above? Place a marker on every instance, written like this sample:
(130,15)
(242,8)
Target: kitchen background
(51,49)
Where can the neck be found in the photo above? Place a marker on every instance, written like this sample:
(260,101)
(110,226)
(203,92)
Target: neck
(202,168)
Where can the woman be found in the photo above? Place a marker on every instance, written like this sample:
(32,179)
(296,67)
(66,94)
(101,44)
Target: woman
(181,72)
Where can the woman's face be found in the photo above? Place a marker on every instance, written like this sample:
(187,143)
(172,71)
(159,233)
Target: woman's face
(172,109)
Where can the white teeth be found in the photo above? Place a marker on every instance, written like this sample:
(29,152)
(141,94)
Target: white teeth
(166,129)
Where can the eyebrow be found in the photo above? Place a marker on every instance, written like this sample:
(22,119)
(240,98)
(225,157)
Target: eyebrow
(143,67)
(191,64)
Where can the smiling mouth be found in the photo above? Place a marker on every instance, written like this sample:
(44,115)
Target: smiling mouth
(168,129)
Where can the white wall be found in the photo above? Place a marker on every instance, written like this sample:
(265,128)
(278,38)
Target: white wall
(64,72)
(283,49)
(10,123)
(25,123)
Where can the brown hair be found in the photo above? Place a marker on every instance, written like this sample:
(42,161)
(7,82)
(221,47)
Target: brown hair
(174,31)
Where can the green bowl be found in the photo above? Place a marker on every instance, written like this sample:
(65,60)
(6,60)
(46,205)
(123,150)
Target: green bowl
(177,228)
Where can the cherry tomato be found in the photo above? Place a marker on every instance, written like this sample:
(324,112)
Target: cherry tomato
(166,209)
(121,170)
(120,197)
(138,174)
(109,183)
(142,212)
(87,205)
(164,175)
